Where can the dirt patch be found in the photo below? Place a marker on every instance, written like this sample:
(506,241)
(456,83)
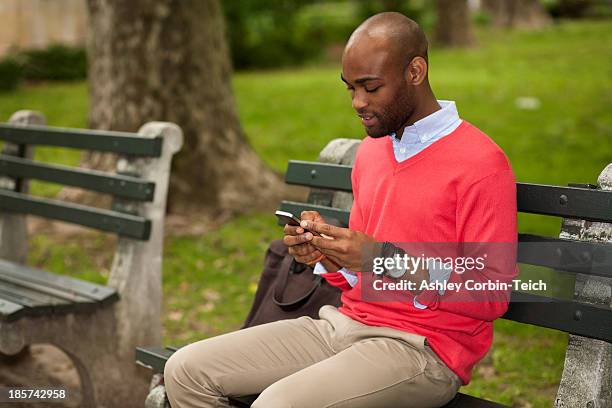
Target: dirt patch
(43,365)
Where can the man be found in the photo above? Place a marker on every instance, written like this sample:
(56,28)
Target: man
(422,176)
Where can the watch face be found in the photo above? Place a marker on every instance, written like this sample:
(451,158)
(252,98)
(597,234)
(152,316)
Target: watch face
(390,251)
(396,273)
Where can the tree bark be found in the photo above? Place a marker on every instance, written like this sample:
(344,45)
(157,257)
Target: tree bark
(168,60)
(522,14)
(454,25)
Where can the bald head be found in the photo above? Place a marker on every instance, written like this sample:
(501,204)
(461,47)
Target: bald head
(384,67)
(400,36)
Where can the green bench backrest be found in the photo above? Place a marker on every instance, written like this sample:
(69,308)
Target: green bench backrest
(588,258)
(126,187)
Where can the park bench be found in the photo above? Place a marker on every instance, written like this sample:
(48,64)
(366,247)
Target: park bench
(584,248)
(97,326)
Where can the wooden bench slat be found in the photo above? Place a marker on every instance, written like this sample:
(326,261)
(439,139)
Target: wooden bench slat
(10,310)
(460,401)
(589,258)
(24,295)
(81,290)
(101,140)
(7,294)
(117,185)
(153,357)
(41,293)
(566,315)
(242,402)
(468,401)
(327,212)
(570,202)
(112,221)
(319,175)
(33,304)
(50,292)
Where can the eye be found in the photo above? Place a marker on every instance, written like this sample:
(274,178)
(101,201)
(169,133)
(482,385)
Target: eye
(372,90)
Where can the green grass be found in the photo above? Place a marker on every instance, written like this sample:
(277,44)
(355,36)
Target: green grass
(63,104)
(209,281)
(526,366)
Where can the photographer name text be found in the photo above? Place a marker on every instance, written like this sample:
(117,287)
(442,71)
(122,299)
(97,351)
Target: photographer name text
(516,284)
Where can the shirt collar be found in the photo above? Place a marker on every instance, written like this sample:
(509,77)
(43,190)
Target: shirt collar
(432,125)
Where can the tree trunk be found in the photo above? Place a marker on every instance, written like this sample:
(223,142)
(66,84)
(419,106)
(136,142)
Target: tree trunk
(522,14)
(168,60)
(454,25)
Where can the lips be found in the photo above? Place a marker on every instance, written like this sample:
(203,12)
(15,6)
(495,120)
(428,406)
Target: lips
(367,119)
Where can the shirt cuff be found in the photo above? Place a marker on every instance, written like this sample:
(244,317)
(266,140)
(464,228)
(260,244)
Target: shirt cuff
(439,272)
(350,276)
(319,269)
(428,298)
(418,305)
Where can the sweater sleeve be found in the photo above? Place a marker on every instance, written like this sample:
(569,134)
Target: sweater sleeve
(486,224)
(338,280)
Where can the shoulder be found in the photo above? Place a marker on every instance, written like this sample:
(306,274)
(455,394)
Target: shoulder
(477,154)
(370,146)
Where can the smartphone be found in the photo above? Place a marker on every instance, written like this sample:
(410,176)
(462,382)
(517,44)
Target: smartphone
(287,218)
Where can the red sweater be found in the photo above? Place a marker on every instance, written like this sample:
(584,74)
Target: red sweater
(459,189)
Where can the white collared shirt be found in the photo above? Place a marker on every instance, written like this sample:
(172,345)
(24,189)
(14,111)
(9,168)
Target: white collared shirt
(426,131)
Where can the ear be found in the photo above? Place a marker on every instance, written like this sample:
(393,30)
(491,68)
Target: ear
(416,71)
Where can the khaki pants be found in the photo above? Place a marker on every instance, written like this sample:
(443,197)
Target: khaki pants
(306,363)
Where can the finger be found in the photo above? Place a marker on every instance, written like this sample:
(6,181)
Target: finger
(295,230)
(291,240)
(301,249)
(312,258)
(332,231)
(292,230)
(328,246)
(310,215)
(304,249)
(337,261)
(307,257)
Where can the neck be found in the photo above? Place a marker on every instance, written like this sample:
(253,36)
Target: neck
(426,105)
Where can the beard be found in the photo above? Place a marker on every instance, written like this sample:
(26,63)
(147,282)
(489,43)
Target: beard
(392,117)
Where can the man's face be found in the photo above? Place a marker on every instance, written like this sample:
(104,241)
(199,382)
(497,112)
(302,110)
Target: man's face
(380,94)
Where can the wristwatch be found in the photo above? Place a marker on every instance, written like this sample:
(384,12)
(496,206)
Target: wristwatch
(389,250)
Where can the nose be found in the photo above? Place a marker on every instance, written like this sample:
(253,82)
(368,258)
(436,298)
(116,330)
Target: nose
(359,101)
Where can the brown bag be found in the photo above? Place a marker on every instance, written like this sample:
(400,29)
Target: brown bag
(288,289)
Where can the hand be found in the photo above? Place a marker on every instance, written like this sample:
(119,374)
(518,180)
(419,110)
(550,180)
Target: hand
(346,247)
(297,240)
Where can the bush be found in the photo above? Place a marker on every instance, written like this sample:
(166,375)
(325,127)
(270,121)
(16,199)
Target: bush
(579,8)
(263,33)
(418,10)
(57,62)
(10,74)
